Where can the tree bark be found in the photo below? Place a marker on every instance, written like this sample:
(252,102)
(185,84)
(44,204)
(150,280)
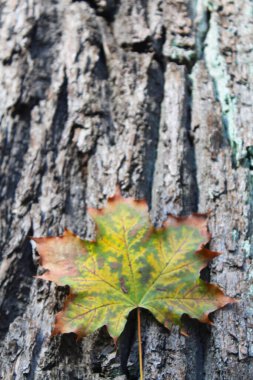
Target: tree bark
(157,97)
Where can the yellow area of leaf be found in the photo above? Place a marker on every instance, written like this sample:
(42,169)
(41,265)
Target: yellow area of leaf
(131,264)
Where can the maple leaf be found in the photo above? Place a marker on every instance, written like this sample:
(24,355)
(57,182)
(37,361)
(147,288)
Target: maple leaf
(131,265)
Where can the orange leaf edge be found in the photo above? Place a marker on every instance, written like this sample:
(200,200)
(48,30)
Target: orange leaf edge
(114,200)
(59,327)
(198,221)
(221,302)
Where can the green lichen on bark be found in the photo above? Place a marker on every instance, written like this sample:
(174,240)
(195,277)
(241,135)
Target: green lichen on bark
(217,68)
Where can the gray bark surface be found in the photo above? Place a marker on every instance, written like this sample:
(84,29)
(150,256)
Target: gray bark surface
(157,97)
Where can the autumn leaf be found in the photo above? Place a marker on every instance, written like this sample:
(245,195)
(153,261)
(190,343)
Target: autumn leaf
(131,265)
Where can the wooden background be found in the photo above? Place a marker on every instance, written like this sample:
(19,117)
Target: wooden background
(153,95)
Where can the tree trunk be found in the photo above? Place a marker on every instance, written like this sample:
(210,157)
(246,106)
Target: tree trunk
(157,97)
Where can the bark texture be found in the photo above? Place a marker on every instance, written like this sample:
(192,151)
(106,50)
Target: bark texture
(153,95)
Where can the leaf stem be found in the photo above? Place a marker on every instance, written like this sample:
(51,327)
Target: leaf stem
(139,343)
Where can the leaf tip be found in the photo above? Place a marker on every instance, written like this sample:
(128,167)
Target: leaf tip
(184,332)
(41,277)
(115,341)
(80,333)
(224,300)
(67,232)
(58,325)
(168,324)
(205,319)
